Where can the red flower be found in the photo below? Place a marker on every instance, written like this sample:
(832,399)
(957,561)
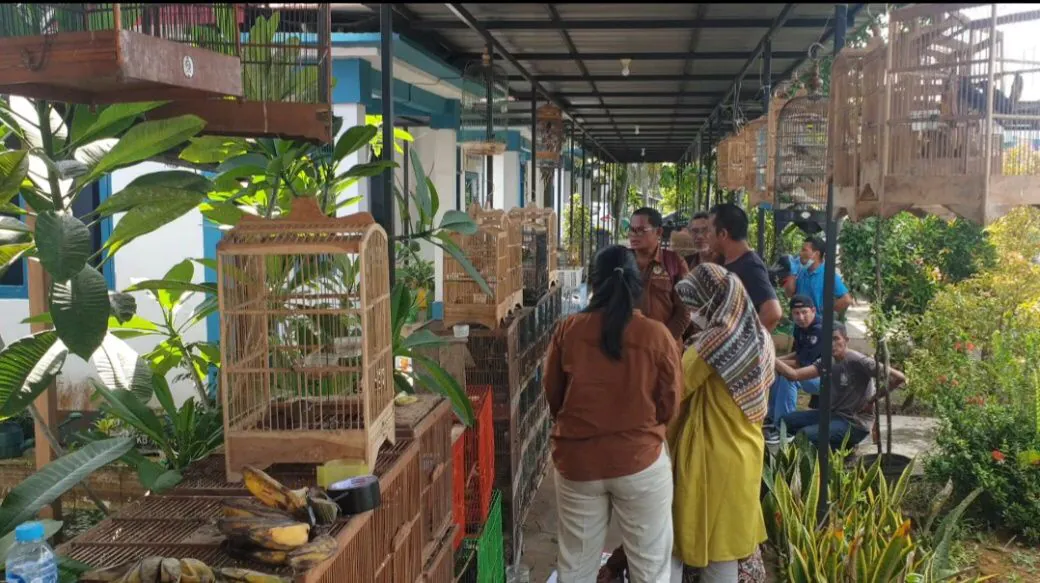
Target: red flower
(957,346)
(997,456)
(942,378)
(970,347)
(976,400)
(955,383)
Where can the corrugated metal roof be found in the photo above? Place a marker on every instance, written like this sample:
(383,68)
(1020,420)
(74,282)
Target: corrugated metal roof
(602,33)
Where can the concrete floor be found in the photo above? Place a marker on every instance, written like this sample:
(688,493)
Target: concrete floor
(911,436)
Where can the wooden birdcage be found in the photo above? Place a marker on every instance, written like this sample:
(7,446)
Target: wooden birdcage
(857,83)
(961,116)
(485,102)
(760,145)
(801,154)
(307,370)
(539,233)
(732,154)
(113,53)
(550,136)
(286,55)
(496,251)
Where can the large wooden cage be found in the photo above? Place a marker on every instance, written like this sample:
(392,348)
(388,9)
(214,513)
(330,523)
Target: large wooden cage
(731,155)
(961,109)
(801,154)
(114,53)
(286,74)
(307,372)
(496,252)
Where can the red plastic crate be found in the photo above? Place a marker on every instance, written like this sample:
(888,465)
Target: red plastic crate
(480,456)
(458,486)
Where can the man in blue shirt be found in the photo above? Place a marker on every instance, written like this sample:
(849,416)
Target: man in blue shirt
(808,344)
(809,279)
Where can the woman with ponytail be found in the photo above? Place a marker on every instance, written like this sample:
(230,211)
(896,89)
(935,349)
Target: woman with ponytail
(612,381)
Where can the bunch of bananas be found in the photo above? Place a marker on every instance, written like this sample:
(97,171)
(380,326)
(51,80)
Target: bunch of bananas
(278,531)
(160,570)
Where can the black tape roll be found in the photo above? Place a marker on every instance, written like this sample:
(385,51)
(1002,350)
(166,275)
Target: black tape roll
(356,495)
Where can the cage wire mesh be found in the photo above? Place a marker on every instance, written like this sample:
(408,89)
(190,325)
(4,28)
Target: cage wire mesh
(484,104)
(306,342)
(964,108)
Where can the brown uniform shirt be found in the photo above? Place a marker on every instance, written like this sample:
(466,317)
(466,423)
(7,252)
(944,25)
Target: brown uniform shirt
(610,415)
(660,301)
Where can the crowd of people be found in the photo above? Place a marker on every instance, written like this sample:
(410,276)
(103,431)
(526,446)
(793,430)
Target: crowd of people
(666,390)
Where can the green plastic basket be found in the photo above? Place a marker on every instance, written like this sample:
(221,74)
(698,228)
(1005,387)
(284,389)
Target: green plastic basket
(491,564)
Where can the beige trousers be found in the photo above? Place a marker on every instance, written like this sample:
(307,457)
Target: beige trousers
(643,503)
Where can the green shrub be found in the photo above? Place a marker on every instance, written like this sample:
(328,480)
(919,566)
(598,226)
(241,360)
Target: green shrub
(993,447)
(918,255)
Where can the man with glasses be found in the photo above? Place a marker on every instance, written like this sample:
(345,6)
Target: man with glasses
(661,269)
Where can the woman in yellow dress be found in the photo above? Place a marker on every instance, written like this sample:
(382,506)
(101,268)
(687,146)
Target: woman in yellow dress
(716,438)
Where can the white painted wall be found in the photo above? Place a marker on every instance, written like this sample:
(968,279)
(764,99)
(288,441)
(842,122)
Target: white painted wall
(148,257)
(353,114)
(507,180)
(437,153)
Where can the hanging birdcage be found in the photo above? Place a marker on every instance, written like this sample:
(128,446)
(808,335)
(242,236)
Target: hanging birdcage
(550,136)
(801,154)
(115,53)
(485,103)
(286,74)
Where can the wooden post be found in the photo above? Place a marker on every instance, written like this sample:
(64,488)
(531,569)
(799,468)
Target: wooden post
(47,402)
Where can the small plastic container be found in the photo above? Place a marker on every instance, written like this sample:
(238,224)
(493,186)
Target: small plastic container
(461,330)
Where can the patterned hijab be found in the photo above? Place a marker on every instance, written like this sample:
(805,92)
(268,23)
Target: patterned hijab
(734,343)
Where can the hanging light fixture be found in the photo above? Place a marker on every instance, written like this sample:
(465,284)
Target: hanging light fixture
(625,71)
(637,130)
(642,152)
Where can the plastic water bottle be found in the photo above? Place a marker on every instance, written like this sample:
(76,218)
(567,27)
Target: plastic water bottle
(31,559)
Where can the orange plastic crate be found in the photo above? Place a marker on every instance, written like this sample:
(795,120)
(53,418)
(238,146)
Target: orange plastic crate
(480,456)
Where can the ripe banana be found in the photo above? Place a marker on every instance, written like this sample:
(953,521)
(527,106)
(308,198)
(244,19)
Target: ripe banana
(325,510)
(145,571)
(195,571)
(313,553)
(272,534)
(273,493)
(245,508)
(248,552)
(246,576)
(169,571)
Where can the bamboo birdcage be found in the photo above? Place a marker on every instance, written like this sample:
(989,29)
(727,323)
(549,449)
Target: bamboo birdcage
(857,76)
(538,229)
(495,251)
(550,136)
(961,116)
(732,156)
(115,53)
(761,151)
(801,154)
(484,108)
(286,55)
(307,373)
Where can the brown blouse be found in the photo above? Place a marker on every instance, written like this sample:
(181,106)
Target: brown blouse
(610,415)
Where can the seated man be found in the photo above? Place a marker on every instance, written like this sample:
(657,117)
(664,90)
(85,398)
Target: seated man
(852,394)
(783,395)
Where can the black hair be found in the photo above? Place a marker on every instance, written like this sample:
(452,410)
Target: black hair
(699,215)
(732,219)
(839,328)
(616,286)
(653,216)
(817,244)
(802,301)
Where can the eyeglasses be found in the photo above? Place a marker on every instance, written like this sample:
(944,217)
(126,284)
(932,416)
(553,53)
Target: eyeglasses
(639,230)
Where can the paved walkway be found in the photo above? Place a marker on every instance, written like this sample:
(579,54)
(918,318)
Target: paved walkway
(911,436)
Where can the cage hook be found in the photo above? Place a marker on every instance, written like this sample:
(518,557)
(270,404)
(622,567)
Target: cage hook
(815,51)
